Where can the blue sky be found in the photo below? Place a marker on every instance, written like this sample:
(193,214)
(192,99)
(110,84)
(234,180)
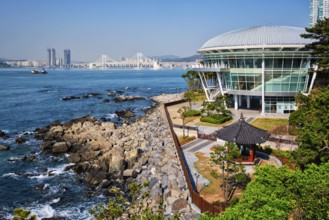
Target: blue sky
(119,28)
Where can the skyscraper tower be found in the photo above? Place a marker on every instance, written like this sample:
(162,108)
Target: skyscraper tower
(48,57)
(67,58)
(53,58)
(319,10)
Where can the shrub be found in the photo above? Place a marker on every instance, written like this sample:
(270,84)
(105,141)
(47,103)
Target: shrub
(241,179)
(22,214)
(268,150)
(216,119)
(296,118)
(282,154)
(234,201)
(191,113)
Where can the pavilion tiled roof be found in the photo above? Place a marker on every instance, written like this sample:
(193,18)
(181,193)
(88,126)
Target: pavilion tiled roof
(241,132)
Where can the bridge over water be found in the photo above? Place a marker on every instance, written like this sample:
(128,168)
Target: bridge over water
(138,61)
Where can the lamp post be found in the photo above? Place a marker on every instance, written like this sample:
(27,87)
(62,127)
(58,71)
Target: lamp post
(197,130)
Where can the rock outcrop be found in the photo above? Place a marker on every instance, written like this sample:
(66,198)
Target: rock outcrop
(3,134)
(142,151)
(122,98)
(3,147)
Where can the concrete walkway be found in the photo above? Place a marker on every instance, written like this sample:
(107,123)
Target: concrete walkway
(189,150)
(203,146)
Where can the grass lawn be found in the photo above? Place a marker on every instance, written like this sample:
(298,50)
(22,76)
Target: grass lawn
(270,124)
(184,140)
(213,191)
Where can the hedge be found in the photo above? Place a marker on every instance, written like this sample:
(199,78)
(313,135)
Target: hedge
(191,113)
(216,119)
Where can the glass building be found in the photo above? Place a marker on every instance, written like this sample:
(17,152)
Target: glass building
(319,10)
(48,57)
(260,67)
(67,58)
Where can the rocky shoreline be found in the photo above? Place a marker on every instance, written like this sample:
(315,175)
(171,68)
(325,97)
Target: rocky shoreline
(108,155)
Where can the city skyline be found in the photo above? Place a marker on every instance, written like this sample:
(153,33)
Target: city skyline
(122,28)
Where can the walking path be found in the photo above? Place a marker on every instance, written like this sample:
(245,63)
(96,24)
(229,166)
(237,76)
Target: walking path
(189,151)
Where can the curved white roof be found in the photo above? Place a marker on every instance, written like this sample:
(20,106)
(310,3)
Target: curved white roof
(256,37)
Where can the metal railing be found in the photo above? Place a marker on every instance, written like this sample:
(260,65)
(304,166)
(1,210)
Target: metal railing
(197,200)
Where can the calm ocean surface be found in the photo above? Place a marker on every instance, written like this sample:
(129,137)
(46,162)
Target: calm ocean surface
(32,101)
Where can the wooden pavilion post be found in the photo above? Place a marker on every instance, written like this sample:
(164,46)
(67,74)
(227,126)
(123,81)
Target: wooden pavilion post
(252,153)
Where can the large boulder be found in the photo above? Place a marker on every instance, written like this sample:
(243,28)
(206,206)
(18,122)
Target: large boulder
(124,114)
(20,140)
(3,134)
(115,159)
(3,147)
(120,98)
(74,158)
(95,177)
(108,126)
(131,158)
(60,147)
(178,205)
(130,173)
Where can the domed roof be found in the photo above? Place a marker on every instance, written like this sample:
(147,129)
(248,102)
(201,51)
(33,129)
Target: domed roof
(262,36)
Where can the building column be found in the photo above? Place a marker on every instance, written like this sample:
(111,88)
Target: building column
(263,86)
(240,100)
(201,74)
(248,101)
(313,79)
(236,106)
(219,82)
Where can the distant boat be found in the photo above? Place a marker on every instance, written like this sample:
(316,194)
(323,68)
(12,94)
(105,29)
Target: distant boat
(43,71)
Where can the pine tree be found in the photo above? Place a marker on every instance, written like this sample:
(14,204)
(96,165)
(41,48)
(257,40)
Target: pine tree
(320,46)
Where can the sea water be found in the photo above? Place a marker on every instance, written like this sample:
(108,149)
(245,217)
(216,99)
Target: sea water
(29,101)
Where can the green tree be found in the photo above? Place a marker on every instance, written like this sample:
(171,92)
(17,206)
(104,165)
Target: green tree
(121,203)
(192,80)
(320,46)
(312,122)
(182,115)
(319,33)
(311,192)
(113,209)
(220,105)
(281,193)
(224,156)
(266,197)
(189,95)
(207,107)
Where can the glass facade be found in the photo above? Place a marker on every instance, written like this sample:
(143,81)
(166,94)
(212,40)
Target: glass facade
(279,104)
(285,71)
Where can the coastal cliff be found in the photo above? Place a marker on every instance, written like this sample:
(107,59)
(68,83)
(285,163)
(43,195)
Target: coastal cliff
(114,156)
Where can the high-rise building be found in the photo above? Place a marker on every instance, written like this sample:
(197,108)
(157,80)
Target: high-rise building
(48,57)
(319,10)
(53,58)
(67,58)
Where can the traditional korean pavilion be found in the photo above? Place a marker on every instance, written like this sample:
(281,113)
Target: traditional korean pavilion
(245,136)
